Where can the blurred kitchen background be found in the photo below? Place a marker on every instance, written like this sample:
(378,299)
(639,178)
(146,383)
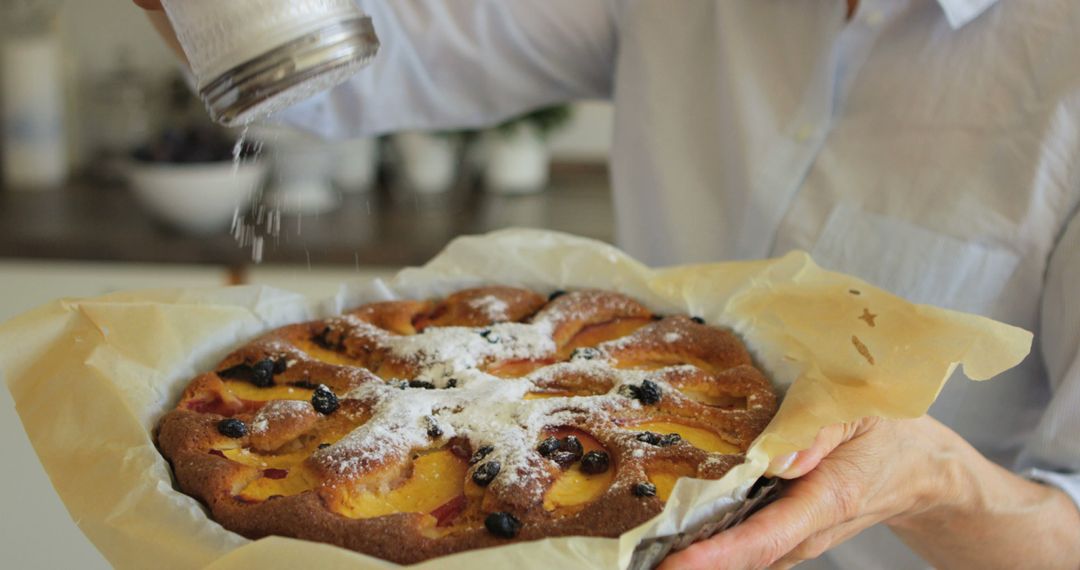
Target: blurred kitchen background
(112,178)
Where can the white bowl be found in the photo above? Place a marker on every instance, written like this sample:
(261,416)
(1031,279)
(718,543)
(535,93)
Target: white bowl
(196,198)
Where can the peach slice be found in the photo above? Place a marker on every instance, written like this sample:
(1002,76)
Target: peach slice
(595,334)
(711,394)
(252,393)
(437,478)
(574,488)
(282,475)
(515,368)
(703,439)
(325,355)
(278,483)
(657,362)
(664,476)
(547,395)
(279,461)
(209,395)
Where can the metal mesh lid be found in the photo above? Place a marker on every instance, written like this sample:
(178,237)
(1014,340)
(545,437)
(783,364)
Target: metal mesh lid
(297,70)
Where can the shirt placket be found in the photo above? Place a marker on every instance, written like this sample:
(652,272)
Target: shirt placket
(809,133)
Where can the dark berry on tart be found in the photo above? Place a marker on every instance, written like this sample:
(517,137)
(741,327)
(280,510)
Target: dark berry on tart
(485,473)
(595,462)
(480,454)
(502,524)
(324,400)
(232,427)
(644,490)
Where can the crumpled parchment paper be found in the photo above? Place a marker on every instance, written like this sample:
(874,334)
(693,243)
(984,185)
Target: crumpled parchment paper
(91,378)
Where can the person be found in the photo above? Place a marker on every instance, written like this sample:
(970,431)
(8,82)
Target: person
(931,147)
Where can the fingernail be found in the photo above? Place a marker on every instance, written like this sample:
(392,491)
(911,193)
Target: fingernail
(782,463)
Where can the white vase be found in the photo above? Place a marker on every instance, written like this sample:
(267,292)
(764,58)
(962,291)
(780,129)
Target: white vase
(518,162)
(356,165)
(428,164)
(302,168)
(33,149)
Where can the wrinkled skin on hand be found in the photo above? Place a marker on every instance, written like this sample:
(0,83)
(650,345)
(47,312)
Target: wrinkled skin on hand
(855,476)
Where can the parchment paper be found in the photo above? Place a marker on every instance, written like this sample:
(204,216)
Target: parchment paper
(91,378)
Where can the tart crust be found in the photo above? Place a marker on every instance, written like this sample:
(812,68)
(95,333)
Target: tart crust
(429,393)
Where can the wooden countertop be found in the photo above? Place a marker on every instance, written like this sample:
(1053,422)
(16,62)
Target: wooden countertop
(382,228)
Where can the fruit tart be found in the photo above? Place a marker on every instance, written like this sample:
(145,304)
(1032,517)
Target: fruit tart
(413,429)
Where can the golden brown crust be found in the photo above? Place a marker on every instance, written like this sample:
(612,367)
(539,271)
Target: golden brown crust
(325,471)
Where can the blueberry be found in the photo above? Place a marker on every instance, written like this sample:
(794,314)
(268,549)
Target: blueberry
(585,353)
(649,392)
(571,444)
(433,428)
(324,400)
(262,373)
(659,440)
(232,427)
(451,383)
(644,490)
(491,336)
(698,320)
(565,458)
(556,294)
(485,474)
(570,451)
(323,340)
(238,372)
(480,454)
(421,384)
(670,439)
(649,438)
(595,462)
(548,446)
(502,524)
(324,445)
(628,391)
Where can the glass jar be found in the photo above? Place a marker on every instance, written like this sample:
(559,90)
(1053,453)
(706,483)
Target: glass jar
(251,58)
(33,139)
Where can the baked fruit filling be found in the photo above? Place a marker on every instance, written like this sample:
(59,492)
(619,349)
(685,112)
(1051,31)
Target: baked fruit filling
(414,429)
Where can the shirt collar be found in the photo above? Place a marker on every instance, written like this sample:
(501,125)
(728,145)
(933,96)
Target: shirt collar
(960,12)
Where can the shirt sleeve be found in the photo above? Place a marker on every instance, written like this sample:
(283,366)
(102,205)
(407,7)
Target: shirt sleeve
(468,63)
(1052,456)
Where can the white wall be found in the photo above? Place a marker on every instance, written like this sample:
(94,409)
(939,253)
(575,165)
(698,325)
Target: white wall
(588,137)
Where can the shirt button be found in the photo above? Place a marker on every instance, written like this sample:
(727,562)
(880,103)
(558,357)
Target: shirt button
(806,130)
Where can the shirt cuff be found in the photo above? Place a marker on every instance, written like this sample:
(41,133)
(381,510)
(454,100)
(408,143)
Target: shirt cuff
(1068,483)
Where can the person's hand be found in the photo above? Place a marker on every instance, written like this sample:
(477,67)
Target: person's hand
(149,4)
(854,476)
